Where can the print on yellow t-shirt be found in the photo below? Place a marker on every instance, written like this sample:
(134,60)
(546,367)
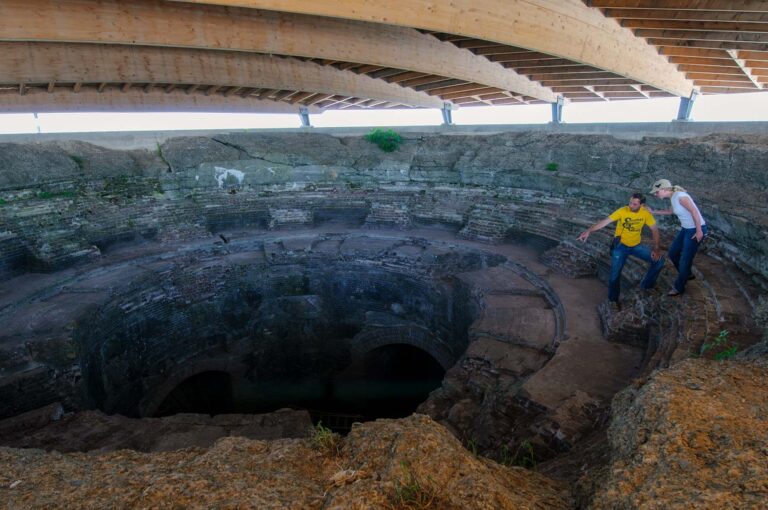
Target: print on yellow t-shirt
(629,225)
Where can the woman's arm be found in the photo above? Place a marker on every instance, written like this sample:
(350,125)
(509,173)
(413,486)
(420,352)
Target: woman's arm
(660,212)
(688,204)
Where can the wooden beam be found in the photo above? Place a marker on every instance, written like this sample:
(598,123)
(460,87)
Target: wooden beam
(692,52)
(705,26)
(172,24)
(746,70)
(710,5)
(720,77)
(136,100)
(693,35)
(699,44)
(686,15)
(43,63)
(565,28)
(702,68)
(703,61)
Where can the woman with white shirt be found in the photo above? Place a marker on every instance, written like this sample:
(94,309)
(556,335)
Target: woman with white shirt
(692,231)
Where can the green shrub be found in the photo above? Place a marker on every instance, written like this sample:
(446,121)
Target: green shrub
(45,195)
(324,439)
(3,202)
(552,167)
(386,139)
(78,161)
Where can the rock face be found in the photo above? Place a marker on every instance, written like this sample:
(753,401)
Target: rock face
(694,436)
(87,431)
(69,197)
(382,464)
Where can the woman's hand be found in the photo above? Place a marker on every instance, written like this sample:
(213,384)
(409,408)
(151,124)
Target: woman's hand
(699,235)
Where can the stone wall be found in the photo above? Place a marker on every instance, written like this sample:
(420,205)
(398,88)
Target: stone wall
(63,202)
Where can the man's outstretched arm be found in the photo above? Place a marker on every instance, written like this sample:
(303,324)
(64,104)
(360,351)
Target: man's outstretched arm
(597,226)
(655,253)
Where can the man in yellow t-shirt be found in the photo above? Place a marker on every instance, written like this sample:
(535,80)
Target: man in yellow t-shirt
(629,227)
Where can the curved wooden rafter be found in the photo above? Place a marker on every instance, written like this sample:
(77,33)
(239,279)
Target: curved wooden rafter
(92,63)
(565,28)
(214,28)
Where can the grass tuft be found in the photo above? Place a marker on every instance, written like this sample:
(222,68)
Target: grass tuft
(324,439)
(412,493)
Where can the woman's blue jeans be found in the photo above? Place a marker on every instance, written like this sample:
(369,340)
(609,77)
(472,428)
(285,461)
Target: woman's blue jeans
(619,258)
(681,253)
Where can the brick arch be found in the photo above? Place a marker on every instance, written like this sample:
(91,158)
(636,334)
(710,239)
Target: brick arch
(374,337)
(155,397)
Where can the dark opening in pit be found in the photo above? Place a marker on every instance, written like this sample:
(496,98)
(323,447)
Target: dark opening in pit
(204,393)
(389,382)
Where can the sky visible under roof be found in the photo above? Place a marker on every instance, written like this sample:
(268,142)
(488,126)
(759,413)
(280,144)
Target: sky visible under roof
(733,107)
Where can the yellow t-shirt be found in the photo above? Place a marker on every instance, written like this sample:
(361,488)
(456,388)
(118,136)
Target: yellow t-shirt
(629,225)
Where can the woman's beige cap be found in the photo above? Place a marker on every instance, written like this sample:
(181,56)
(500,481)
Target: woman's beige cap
(660,184)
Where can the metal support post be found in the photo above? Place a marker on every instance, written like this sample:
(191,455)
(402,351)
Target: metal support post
(557,110)
(304,116)
(447,118)
(686,105)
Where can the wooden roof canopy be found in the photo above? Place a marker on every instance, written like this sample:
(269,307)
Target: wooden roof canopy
(279,55)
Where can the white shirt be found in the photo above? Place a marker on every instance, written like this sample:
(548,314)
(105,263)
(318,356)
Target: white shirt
(683,214)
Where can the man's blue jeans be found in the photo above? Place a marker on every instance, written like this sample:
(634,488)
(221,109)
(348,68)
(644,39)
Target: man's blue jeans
(619,258)
(681,253)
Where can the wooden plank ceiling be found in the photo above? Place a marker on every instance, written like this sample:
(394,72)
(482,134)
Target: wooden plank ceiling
(279,55)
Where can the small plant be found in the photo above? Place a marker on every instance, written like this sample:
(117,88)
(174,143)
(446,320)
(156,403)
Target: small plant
(78,161)
(387,140)
(505,457)
(720,344)
(552,167)
(324,439)
(524,456)
(413,493)
(472,446)
(635,175)
(3,202)
(45,195)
